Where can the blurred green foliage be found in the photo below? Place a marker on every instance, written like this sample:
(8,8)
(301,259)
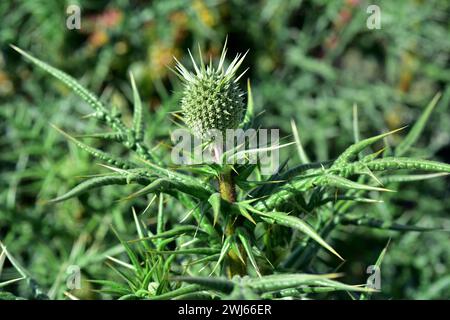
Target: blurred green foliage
(310,61)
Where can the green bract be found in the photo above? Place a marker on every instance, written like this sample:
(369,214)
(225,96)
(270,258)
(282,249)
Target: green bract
(212,100)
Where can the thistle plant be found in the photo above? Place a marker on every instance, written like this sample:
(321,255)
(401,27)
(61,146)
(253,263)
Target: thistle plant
(212,103)
(227,231)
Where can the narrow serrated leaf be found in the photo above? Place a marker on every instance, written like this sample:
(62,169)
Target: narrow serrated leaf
(138,119)
(225,248)
(95,152)
(284,281)
(81,91)
(417,129)
(340,182)
(301,152)
(356,148)
(298,224)
(91,184)
(249,113)
(215,200)
(248,249)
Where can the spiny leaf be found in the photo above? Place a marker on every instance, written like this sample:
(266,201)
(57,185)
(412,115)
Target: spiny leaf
(360,146)
(92,184)
(237,252)
(82,92)
(158,185)
(304,167)
(249,113)
(110,136)
(8,282)
(127,278)
(204,260)
(206,251)
(101,113)
(131,254)
(243,237)
(417,129)
(138,119)
(283,281)
(225,248)
(244,212)
(2,260)
(301,291)
(215,200)
(160,216)
(37,292)
(176,231)
(394,163)
(138,224)
(111,287)
(301,152)
(382,254)
(296,223)
(190,185)
(199,215)
(95,152)
(346,198)
(340,182)
(336,285)
(122,263)
(317,178)
(317,286)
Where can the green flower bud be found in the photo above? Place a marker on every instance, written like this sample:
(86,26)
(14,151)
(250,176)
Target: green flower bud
(212,99)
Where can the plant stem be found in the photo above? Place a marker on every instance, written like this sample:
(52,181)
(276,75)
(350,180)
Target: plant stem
(226,186)
(227,190)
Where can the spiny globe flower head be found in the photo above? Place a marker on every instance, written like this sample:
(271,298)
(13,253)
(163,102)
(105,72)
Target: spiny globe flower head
(212,100)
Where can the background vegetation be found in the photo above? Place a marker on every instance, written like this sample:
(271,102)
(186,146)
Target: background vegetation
(310,61)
